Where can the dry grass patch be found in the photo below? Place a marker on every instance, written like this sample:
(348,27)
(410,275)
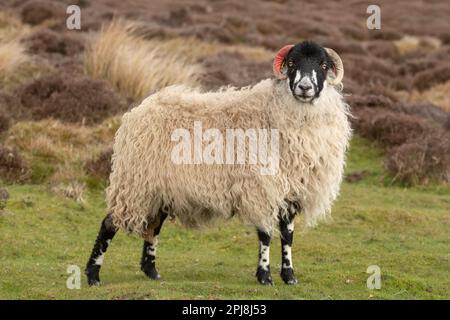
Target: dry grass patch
(72,190)
(16,66)
(11,28)
(65,148)
(412,43)
(23,73)
(12,55)
(12,52)
(134,66)
(438,95)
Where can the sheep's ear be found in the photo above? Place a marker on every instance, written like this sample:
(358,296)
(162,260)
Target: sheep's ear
(279,65)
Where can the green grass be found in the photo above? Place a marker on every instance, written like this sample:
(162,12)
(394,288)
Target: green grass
(405,231)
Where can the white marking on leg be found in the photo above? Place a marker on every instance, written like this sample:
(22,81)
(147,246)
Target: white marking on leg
(99,259)
(287,254)
(151,250)
(292,209)
(265,253)
(290,226)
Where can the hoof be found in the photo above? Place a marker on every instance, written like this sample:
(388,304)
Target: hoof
(151,273)
(93,277)
(288,276)
(264,277)
(93,283)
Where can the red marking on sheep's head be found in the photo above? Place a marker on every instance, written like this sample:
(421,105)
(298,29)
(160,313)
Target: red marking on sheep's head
(278,63)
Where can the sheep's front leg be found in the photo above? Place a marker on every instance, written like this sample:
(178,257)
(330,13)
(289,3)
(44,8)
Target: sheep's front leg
(104,237)
(149,250)
(287,236)
(263,272)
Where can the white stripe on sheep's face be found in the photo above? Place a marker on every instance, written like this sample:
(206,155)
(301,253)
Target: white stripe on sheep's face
(306,68)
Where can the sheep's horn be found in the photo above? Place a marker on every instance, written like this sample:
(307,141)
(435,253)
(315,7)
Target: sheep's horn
(279,59)
(338,65)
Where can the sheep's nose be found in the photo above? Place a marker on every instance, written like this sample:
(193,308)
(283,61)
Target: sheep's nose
(304,86)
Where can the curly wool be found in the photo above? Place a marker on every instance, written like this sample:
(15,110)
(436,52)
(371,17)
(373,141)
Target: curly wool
(313,141)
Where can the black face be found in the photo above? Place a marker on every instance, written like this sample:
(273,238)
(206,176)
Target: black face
(307,66)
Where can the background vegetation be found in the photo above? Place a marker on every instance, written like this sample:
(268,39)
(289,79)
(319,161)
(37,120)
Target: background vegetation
(62,94)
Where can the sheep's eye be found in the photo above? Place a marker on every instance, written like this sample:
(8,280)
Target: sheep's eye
(324,66)
(290,63)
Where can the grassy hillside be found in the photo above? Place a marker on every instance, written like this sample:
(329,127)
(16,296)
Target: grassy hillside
(403,231)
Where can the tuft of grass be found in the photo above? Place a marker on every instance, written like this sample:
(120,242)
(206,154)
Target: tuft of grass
(12,52)
(73,190)
(20,69)
(134,66)
(11,28)
(438,95)
(12,55)
(16,66)
(413,43)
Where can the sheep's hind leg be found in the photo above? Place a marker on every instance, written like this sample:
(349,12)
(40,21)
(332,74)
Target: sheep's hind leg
(287,235)
(263,272)
(104,237)
(149,249)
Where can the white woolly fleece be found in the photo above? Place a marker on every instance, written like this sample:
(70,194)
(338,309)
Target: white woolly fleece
(313,141)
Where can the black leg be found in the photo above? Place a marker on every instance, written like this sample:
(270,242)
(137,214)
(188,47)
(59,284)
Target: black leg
(149,250)
(105,235)
(287,236)
(263,272)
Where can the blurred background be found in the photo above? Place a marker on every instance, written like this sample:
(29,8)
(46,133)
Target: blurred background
(62,94)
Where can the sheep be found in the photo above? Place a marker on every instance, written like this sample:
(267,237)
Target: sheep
(153,176)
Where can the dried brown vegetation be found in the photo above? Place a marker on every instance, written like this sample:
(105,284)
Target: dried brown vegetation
(47,42)
(13,168)
(418,150)
(70,99)
(4,121)
(133,66)
(12,56)
(11,28)
(439,95)
(100,166)
(390,128)
(64,148)
(421,160)
(72,190)
(35,12)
